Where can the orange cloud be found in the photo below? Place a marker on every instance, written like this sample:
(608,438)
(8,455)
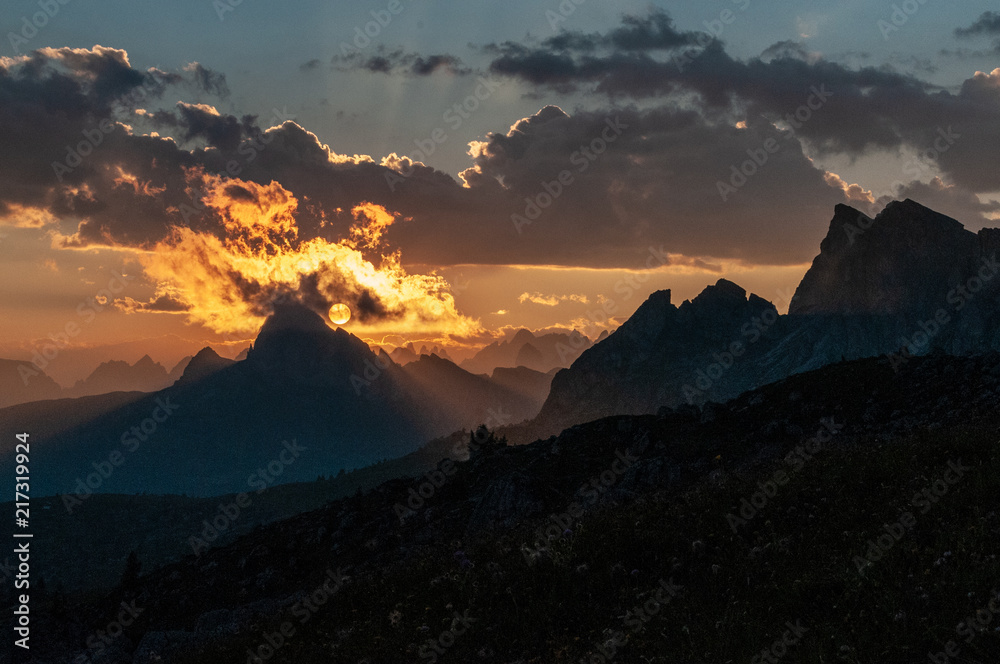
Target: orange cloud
(229,279)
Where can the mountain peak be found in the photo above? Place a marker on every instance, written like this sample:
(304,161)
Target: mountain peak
(900,261)
(145,362)
(293,316)
(205,362)
(722,290)
(523,336)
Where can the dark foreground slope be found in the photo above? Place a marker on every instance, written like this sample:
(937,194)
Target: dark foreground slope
(868,534)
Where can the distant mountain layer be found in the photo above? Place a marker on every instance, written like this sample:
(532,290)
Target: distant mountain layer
(307,401)
(541,353)
(120,376)
(21,382)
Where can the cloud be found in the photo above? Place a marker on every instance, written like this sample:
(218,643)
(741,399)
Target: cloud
(987,24)
(160,304)
(603,185)
(872,109)
(230,283)
(789,49)
(550,300)
(207,80)
(399,61)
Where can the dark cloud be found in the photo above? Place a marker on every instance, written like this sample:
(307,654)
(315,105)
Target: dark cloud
(385,61)
(207,80)
(606,184)
(653,31)
(309,66)
(987,24)
(870,108)
(221,131)
(786,49)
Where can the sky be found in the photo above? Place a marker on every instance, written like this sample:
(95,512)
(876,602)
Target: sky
(453,171)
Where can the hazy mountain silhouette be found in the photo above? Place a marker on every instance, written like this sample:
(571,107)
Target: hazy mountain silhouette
(474,399)
(409,353)
(533,384)
(548,351)
(178,369)
(223,420)
(120,376)
(21,382)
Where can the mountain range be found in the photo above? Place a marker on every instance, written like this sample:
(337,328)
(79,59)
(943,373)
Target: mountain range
(302,386)
(904,283)
(907,282)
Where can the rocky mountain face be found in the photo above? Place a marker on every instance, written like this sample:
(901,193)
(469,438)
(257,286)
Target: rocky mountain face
(663,354)
(905,283)
(904,262)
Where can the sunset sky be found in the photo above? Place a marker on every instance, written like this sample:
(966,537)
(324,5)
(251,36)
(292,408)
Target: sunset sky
(464,168)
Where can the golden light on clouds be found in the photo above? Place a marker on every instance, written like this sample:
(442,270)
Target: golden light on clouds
(229,279)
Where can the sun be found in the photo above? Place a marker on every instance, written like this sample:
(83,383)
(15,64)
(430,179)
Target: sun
(340,314)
